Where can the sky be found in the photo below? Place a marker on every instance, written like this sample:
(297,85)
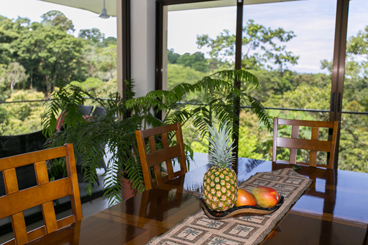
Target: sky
(313,22)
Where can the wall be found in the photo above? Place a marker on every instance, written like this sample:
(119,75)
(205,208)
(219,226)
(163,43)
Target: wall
(143,45)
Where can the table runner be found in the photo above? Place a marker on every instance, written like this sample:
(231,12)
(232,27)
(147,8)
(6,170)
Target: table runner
(200,229)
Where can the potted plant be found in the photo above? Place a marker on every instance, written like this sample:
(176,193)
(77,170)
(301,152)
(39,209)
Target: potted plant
(118,134)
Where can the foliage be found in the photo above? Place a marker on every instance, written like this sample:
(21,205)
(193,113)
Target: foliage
(102,61)
(196,61)
(220,146)
(56,18)
(178,74)
(20,118)
(3,74)
(89,84)
(172,57)
(94,35)
(50,53)
(14,74)
(261,47)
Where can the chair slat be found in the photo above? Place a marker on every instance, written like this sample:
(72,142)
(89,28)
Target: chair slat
(41,231)
(66,221)
(32,157)
(49,217)
(157,157)
(19,227)
(306,123)
(159,130)
(313,154)
(314,145)
(293,152)
(72,173)
(10,242)
(182,158)
(152,143)
(26,199)
(36,233)
(48,210)
(10,181)
(165,145)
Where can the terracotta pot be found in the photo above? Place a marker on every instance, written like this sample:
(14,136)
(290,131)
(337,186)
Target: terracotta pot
(127,189)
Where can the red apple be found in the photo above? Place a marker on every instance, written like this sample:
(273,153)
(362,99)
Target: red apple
(266,197)
(245,198)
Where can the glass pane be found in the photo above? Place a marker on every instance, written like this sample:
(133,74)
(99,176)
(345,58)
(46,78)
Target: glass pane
(188,58)
(287,46)
(45,46)
(354,121)
(188,26)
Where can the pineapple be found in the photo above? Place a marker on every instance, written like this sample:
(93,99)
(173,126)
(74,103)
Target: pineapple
(220,187)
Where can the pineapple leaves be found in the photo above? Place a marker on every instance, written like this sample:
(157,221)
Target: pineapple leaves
(221,146)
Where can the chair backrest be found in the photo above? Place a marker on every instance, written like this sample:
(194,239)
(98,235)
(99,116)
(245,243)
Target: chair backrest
(16,201)
(165,153)
(313,145)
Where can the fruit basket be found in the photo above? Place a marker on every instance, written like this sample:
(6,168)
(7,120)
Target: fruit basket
(242,210)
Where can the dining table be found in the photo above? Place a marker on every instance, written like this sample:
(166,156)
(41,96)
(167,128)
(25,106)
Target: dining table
(332,210)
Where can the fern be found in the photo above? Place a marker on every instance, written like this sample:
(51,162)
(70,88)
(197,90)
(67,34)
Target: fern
(118,133)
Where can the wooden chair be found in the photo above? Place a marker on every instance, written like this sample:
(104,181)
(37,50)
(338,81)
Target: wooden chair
(155,156)
(313,145)
(16,201)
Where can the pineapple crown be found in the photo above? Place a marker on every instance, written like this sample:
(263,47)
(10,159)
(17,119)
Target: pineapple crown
(221,146)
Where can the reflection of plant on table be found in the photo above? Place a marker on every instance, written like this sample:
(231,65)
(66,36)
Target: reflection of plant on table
(118,133)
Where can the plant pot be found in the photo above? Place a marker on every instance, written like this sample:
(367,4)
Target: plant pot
(127,189)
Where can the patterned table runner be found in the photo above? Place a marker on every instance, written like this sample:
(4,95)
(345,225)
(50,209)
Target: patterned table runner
(199,229)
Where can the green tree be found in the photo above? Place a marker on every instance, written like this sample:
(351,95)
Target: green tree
(172,56)
(2,77)
(14,74)
(197,61)
(9,32)
(94,35)
(262,47)
(108,41)
(51,55)
(102,61)
(57,18)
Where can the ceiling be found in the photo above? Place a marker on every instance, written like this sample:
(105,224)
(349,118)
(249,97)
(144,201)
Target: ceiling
(94,6)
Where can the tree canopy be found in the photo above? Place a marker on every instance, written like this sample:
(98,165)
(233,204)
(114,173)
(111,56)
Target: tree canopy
(57,19)
(262,47)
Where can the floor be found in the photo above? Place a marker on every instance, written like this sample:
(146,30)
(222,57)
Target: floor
(96,205)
